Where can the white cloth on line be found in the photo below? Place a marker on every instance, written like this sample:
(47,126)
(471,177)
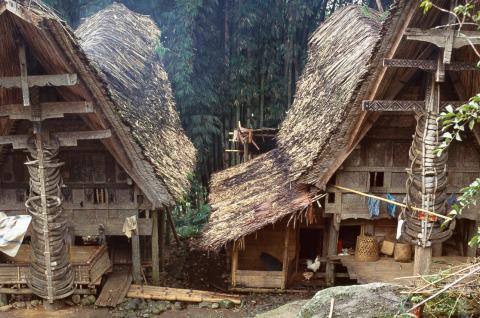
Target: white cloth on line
(399,228)
(130,226)
(12,232)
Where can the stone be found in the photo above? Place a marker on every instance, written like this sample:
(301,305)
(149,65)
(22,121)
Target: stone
(35,302)
(20,305)
(142,305)
(85,301)
(3,300)
(178,305)
(162,306)
(69,303)
(131,304)
(360,301)
(215,306)
(227,304)
(76,299)
(204,304)
(92,299)
(289,310)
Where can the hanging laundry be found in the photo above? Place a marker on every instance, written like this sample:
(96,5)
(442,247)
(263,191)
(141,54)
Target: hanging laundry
(399,228)
(391,207)
(373,207)
(452,199)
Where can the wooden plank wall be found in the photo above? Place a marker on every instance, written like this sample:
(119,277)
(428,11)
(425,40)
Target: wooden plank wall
(383,154)
(269,240)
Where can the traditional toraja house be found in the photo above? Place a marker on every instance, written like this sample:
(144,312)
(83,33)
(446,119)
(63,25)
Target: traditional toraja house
(99,115)
(368,87)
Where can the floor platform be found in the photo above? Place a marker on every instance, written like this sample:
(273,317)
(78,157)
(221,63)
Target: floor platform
(387,270)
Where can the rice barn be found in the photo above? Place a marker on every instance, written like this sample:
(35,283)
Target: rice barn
(87,142)
(346,169)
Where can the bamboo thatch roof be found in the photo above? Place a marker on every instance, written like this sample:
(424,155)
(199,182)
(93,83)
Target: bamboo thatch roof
(122,45)
(248,197)
(117,70)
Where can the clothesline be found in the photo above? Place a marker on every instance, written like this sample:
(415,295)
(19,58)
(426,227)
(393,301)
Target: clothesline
(392,202)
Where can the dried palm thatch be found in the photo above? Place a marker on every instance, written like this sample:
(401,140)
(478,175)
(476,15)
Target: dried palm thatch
(122,45)
(130,90)
(250,196)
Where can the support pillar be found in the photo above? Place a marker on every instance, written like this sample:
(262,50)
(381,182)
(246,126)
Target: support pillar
(422,260)
(155,250)
(161,239)
(136,258)
(333,232)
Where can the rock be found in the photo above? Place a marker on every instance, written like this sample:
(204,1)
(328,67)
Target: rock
(204,304)
(162,306)
(20,305)
(142,305)
(215,306)
(227,304)
(289,310)
(360,301)
(76,299)
(91,299)
(85,301)
(131,304)
(35,303)
(178,305)
(6,308)
(3,300)
(69,303)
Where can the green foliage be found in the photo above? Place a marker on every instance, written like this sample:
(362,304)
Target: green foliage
(191,215)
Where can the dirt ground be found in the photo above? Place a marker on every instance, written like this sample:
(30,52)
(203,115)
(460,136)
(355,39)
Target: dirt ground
(185,268)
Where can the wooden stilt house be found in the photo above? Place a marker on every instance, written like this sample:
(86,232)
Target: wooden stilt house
(94,122)
(366,102)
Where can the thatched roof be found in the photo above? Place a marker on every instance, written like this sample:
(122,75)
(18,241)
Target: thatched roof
(247,197)
(121,75)
(122,45)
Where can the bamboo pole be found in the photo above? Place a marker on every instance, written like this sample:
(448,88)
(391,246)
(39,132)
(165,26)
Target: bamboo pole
(176,294)
(392,202)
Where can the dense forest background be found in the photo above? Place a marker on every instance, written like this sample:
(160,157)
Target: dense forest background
(228,60)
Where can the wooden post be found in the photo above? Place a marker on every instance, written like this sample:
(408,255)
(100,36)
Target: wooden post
(423,258)
(245,151)
(155,250)
(472,231)
(285,259)
(161,240)
(437,249)
(234,264)
(136,258)
(332,249)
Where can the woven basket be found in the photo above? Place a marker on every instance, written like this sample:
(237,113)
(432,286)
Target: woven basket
(387,248)
(366,249)
(403,252)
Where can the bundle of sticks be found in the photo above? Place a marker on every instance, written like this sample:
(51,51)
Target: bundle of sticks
(459,282)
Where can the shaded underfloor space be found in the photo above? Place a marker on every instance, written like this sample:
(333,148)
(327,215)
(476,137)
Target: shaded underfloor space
(387,270)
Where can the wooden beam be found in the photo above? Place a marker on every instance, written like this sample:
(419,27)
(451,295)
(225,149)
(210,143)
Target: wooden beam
(70,139)
(402,105)
(49,110)
(441,38)
(66,139)
(380,6)
(40,80)
(155,249)
(429,65)
(172,225)
(23,80)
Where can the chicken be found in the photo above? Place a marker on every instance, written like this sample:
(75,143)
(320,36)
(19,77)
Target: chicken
(308,275)
(313,265)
